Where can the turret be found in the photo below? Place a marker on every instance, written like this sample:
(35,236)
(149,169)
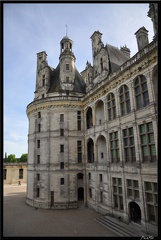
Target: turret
(142,38)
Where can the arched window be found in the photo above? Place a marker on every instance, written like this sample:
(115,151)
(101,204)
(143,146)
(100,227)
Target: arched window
(124,100)
(141,92)
(111,105)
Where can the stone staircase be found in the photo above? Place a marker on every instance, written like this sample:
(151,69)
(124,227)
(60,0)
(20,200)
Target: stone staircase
(120,228)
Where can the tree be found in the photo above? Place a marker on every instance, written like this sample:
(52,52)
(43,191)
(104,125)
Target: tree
(12,158)
(23,157)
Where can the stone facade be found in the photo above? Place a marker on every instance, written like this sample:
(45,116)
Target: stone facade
(93,136)
(14,173)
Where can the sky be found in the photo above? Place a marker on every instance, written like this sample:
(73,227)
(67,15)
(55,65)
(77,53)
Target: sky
(32,28)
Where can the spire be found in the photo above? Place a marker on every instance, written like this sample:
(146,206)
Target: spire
(66,29)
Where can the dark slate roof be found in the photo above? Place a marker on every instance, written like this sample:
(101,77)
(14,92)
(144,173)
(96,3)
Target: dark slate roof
(79,84)
(116,57)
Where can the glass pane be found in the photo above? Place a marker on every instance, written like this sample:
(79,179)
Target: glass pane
(128,106)
(112,144)
(114,189)
(138,102)
(126,152)
(123,109)
(113,153)
(145,151)
(116,135)
(126,142)
(118,153)
(136,194)
(121,98)
(125,132)
(121,202)
(146,98)
(114,181)
(129,182)
(115,201)
(129,192)
(125,88)
(149,197)
(144,86)
(142,77)
(142,128)
(151,138)
(119,181)
(152,150)
(121,90)
(127,95)
(155,187)
(109,114)
(133,151)
(131,131)
(132,141)
(114,112)
(148,186)
(150,127)
(116,143)
(143,139)
(136,82)
(136,185)
(120,190)
(109,104)
(137,90)
(151,213)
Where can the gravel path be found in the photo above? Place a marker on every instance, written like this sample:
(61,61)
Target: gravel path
(21,220)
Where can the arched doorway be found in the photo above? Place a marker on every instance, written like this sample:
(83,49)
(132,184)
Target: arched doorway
(80,194)
(135,212)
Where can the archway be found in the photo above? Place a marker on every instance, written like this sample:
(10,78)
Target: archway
(134,212)
(80,193)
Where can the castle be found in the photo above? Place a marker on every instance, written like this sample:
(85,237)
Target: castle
(93,135)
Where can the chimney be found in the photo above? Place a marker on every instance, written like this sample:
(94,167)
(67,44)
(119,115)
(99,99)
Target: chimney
(142,38)
(126,51)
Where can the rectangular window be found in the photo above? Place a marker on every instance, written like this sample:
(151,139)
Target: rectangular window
(147,142)
(42,95)
(132,189)
(100,177)
(61,132)
(4,174)
(39,127)
(61,117)
(102,156)
(37,192)
(38,143)
(61,148)
(21,173)
(90,192)
(117,193)
(101,197)
(38,176)
(79,151)
(62,165)
(39,114)
(129,145)
(79,120)
(61,181)
(89,176)
(67,79)
(38,159)
(114,147)
(151,195)
(67,66)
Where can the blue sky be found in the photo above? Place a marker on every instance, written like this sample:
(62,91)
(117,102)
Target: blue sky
(32,28)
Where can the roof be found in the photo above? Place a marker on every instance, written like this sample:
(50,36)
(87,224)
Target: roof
(79,84)
(116,57)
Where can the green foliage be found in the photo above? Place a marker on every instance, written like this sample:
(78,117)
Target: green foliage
(11,158)
(23,157)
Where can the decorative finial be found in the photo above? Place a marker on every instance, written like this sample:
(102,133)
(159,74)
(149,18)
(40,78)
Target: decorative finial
(66,29)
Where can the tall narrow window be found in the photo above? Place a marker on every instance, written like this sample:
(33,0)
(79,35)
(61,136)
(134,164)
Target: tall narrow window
(67,79)
(61,117)
(61,181)
(129,145)
(37,192)
(62,165)
(38,143)
(79,120)
(39,114)
(61,132)
(90,193)
(141,92)
(114,147)
(38,176)
(101,63)
(61,148)
(38,159)
(43,80)
(39,127)
(21,173)
(111,105)
(89,176)
(79,151)
(67,66)
(4,174)
(124,100)
(101,197)
(100,177)
(151,196)
(147,142)
(117,193)
(42,95)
